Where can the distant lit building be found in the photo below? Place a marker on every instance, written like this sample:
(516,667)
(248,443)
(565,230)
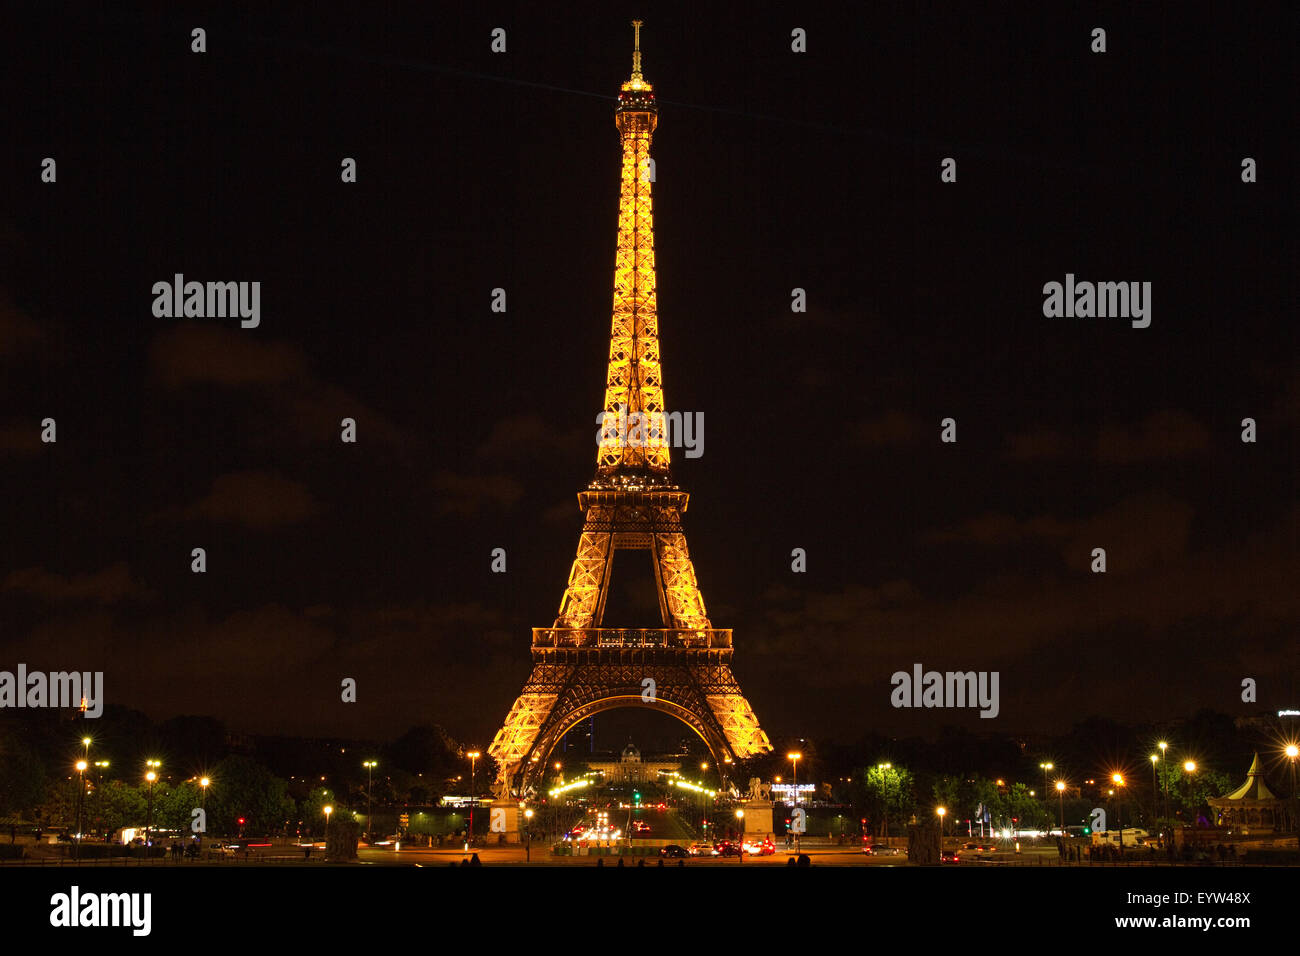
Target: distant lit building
(630,768)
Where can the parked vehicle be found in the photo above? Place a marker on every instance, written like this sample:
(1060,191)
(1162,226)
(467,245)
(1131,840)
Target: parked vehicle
(674,852)
(880,849)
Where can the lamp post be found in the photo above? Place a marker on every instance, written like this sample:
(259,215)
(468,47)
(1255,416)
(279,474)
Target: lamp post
(740,825)
(327,810)
(1060,792)
(1045,767)
(473,799)
(148,819)
(1164,753)
(942,811)
(81,792)
(1155,788)
(794,758)
(370,788)
(704,816)
(1118,780)
(204,783)
(555,807)
(528,835)
(1292,752)
(884,784)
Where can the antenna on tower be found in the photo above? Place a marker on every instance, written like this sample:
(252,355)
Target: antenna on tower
(636,49)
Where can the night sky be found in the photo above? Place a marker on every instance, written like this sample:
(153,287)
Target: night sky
(774,170)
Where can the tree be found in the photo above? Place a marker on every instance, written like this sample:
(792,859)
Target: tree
(22,778)
(116,804)
(884,791)
(243,788)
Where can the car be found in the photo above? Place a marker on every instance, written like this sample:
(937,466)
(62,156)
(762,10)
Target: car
(949,856)
(674,852)
(700,849)
(726,848)
(760,847)
(980,847)
(880,849)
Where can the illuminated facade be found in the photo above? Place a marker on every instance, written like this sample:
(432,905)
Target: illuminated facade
(581,667)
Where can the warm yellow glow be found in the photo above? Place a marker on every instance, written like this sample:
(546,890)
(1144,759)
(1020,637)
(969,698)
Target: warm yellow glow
(81,766)
(1190,766)
(1060,785)
(151,776)
(1155,758)
(1117,778)
(1292,751)
(941,810)
(1162,745)
(473,755)
(86,741)
(204,782)
(740,814)
(327,810)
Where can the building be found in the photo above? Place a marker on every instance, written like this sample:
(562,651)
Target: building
(629,767)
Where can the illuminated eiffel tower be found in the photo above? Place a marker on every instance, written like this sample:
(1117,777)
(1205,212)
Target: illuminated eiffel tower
(580,667)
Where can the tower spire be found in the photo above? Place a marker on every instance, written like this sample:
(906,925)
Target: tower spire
(634,439)
(636,51)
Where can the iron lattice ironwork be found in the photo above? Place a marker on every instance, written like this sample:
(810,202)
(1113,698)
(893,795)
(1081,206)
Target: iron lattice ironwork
(579,667)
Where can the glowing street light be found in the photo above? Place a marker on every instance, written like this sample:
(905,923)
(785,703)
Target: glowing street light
(1190,766)
(1118,780)
(204,783)
(740,825)
(151,775)
(1060,793)
(473,797)
(1292,752)
(81,792)
(370,789)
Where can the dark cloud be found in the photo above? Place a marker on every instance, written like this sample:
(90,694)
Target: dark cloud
(467,495)
(255,499)
(109,585)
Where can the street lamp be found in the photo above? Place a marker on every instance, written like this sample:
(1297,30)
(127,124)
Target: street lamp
(1060,792)
(151,776)
(528,833)
(794,758)
(884,768)
(370,787)
(473,799)
(85,742)
(740,825)
(1164,747)
(327,810)
(81,792)
(204,783)
(1292,751)
(1118,780)
(1045,767)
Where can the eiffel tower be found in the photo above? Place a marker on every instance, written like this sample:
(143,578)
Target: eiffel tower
(580,667)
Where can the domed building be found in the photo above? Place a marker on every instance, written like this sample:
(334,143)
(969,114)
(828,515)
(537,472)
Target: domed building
(629,767)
